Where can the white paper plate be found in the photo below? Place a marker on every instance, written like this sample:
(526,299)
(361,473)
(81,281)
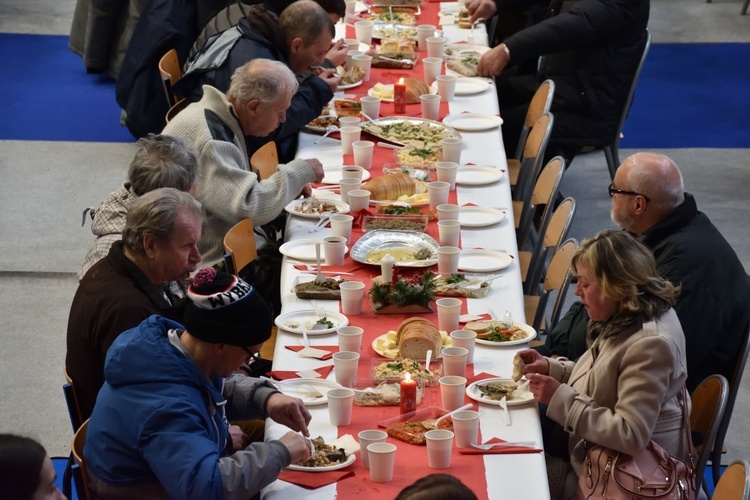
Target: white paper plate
(345,463)
(302,249)
(477,175)
(292,387)
(522,398)
(482,261)
(467,86)
(333,174)
(523,326)
(350,85)
(310,317)
(473,122)
(479,216)
(342,208)
(433,90)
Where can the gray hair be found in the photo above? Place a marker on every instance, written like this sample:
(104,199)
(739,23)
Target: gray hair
(156,213)
(307,20)
(657,177)
(163,161)
(262,79)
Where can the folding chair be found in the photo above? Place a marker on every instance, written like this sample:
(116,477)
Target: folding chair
(175,109)
(612,151)
(558,278)
(533,262)
(239,244)
(79,470)
(523,172)
(544,194)
(734,386)
(734,483)
(708,401)
(265,160)
(169,67)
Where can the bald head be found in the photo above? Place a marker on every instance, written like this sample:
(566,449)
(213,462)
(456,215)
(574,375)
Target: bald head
(657,177)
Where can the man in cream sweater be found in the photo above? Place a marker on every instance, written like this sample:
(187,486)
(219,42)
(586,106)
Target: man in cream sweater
(216,126)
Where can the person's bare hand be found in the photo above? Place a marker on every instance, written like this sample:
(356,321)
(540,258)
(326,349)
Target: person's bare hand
(317,168)
(542,387)
(240,440)
(337,53)
(299,447)
(534,362)
(481,8)
(330,76)
(289,411)
(493,62)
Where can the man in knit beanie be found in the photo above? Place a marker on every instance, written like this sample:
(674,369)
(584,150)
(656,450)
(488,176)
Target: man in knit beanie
(160,425)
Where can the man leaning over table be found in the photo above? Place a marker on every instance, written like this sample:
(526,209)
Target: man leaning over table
(255,105)
(159,427)
(159,246)
(650,202)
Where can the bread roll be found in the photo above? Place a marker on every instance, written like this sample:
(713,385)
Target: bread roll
(416,336)
(481,327)
(391,186)
(518,365)
(415,88)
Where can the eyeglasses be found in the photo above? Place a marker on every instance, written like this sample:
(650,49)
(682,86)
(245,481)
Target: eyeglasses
(612,191)
(252,356)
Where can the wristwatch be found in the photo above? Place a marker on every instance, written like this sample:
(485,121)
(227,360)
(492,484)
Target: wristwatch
(506,50)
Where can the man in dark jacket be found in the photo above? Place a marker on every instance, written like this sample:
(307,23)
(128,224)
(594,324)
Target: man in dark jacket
(648,200)
(159,245)
(300,38)
(591,53)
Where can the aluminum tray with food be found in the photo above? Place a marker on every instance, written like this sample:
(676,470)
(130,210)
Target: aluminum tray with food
(408,427)
(408,248)
(305,287)
(416,223)
(418,132)
(396,369)
(381,393)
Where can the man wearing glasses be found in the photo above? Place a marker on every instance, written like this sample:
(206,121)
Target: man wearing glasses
(649,201)
(160,424)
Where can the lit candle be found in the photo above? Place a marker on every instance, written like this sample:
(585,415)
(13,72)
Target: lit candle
(408,395)
(386,267)
(399,97)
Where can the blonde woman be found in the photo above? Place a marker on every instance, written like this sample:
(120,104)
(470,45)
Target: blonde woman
(623,391)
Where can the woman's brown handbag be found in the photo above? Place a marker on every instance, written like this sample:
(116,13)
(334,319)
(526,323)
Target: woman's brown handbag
(653,473)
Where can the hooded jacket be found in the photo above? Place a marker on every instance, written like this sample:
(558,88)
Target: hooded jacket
(160,426)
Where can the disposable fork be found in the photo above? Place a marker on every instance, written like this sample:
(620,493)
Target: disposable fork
(489,446)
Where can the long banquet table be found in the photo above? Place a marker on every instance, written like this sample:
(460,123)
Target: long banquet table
(507,476)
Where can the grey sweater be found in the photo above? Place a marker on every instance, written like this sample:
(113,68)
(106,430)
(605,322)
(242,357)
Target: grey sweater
(227,187)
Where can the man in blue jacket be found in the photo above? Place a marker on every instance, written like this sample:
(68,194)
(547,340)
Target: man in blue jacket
(160,424)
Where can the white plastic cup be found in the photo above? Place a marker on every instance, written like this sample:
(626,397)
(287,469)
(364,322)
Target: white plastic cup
(350,121)
(466,339)
(334,248)
(439,447)
(370,106)
(350,56)
(448,261)
(367,438)
(433,66)
(452,391)
(352,172)
(435,46)
(449,310)
(448,211)
(352,294)
(430,106)
(424,31)
(446,172)
(359,199)
(352,43)
(345,368)
(446,87)
(362,151)
(454,360)
(350,338)
(349,135)
(438,194)
(382,457)
(449,233)
(466,428)
(340,402)
(346,185)
(350,6)
(365,62)
(363,31)
(341,225)
(452,149)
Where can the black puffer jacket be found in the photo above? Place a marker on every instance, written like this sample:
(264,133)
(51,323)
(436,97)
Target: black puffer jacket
(592,52)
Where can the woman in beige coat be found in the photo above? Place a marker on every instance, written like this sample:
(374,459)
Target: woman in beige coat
(623,391)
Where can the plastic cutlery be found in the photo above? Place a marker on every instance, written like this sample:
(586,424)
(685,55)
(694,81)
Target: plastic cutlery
(433,423)
(504,406)
(319,278)
(489,446)
(329,130)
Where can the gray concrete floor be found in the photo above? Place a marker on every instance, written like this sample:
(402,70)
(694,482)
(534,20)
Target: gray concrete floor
(46,185)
